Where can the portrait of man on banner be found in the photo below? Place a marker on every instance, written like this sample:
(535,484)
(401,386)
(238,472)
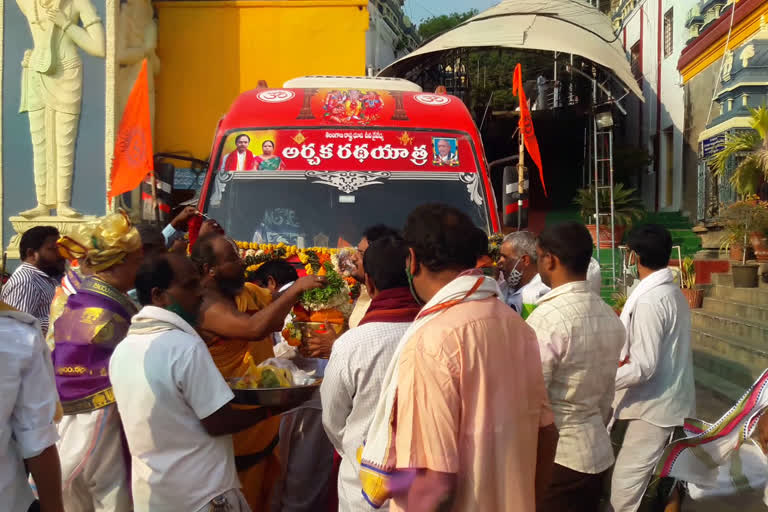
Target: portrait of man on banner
(445,152)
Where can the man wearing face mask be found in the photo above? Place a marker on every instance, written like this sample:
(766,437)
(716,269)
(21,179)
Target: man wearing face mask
(174,405)
(522,286)
(655,389)
(442,436)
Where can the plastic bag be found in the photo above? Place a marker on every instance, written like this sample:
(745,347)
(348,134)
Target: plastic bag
(300,377)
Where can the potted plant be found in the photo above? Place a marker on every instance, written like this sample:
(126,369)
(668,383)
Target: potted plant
(751,148)
(693,295)
(741,219)
(758,237)
(759,241)
(619,300)
(627,208)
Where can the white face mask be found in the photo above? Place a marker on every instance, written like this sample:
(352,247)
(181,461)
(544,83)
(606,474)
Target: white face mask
(515,276)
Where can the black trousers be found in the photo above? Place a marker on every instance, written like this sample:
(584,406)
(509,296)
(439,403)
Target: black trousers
(571,491)
(34,507)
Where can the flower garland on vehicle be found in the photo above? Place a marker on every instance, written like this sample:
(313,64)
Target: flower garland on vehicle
(314,260)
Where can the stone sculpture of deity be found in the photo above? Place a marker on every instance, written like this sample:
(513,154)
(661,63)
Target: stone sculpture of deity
(51,93)
(136,41)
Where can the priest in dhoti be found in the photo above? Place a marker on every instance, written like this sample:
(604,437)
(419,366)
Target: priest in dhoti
(94,319)
(237,320)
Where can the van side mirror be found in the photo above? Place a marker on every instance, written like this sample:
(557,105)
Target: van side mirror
(515,206)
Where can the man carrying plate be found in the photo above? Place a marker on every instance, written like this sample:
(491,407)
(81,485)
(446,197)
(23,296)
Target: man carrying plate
(174,404)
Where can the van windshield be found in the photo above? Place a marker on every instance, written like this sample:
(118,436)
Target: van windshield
(327,210)
(325,187)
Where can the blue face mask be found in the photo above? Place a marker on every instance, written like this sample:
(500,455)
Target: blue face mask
(190,318)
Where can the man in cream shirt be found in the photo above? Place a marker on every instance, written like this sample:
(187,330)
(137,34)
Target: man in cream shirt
(580,338)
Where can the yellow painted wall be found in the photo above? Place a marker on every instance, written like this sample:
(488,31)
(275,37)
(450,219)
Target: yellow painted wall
(211,51)
(740,33)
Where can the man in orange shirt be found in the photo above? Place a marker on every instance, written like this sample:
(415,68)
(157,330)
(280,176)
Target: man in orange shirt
(468,446)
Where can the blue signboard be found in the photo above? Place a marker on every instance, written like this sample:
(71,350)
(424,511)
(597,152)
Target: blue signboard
(712,146)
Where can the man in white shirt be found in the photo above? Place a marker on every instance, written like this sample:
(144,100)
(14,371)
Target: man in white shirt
(654,384)
(174,404)
(27,407)
(522,286)
(580,338)
(360,357)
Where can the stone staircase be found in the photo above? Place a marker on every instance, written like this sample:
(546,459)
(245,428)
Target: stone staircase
(730,337)
(680,228)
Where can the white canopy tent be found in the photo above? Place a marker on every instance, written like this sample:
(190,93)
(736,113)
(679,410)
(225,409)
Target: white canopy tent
(566,26)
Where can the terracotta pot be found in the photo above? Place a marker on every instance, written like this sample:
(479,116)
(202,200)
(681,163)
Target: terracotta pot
(694,297)
(736,252)
(760,245)
(605,235)
(744,276)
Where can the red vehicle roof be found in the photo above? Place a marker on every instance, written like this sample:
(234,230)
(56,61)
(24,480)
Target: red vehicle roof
(378,109)
(287,107)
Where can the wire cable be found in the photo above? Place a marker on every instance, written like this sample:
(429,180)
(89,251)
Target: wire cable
(722,62)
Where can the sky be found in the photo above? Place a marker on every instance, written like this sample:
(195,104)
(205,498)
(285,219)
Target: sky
(418,10)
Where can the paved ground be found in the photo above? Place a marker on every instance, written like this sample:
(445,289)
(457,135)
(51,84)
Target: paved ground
(710,407)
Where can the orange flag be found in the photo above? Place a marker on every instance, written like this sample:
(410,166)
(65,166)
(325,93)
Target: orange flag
(133,149)
(526,123)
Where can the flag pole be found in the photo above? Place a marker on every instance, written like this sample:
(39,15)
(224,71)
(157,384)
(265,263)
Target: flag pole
(155,210)
(520,178)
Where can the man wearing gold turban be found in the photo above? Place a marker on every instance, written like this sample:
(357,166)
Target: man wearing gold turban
(86,330)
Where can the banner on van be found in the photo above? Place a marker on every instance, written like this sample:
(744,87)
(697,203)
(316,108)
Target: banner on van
(347,150)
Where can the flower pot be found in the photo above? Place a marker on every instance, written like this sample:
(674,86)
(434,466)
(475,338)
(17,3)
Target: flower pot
(605,235)
(744,276)
(736,252)
(760,245)
(694,297)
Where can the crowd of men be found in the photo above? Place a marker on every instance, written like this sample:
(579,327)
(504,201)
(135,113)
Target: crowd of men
(451,391)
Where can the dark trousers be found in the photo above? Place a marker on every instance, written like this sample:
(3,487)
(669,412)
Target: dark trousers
(571,491)
(34,507)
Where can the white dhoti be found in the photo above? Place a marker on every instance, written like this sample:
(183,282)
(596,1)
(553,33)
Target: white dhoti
(93,467)
(640,452)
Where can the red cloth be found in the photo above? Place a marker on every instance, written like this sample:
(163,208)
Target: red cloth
(230,164)
(395,305)
(193,226)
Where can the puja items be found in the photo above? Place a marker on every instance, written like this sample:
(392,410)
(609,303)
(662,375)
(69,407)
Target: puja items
(328,306)
(274,382)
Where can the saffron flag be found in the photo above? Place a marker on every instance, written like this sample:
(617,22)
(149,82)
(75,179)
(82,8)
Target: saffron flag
(526,123)
(132,160)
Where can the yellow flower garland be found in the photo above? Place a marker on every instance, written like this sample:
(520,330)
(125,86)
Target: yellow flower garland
(290,251)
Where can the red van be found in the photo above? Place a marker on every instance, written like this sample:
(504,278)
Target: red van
(315,163)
